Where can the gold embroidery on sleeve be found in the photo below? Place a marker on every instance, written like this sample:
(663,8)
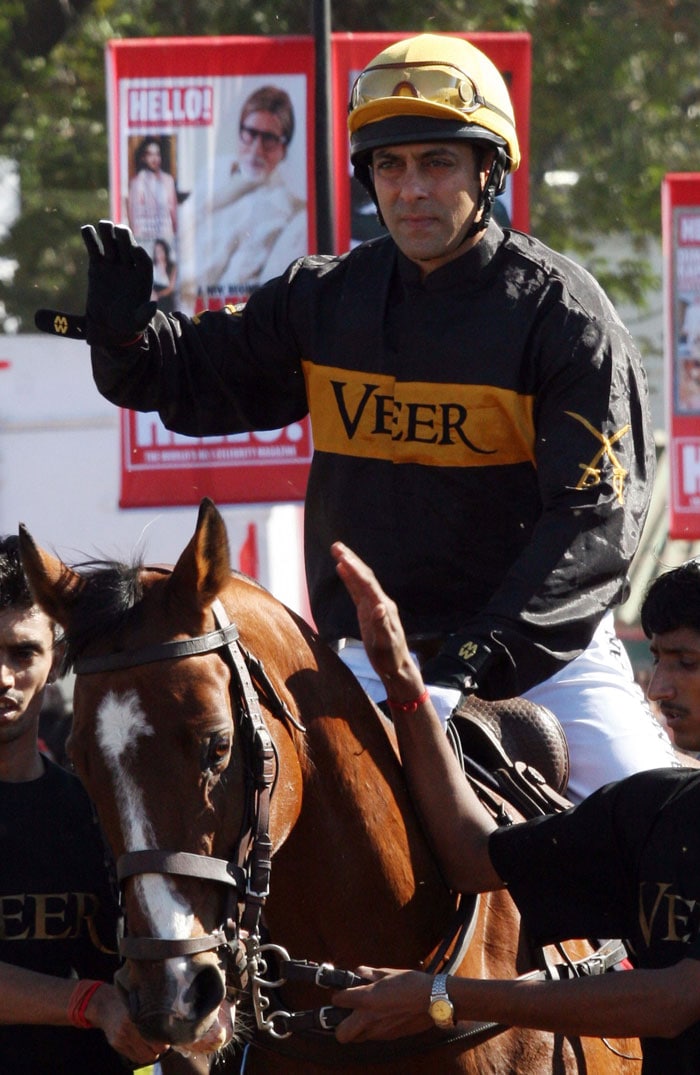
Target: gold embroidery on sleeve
(592,471)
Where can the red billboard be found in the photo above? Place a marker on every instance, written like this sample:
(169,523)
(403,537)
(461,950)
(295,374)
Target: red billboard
(212,166)
(681,250)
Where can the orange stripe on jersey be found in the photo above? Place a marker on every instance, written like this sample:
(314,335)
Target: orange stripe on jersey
(443,425)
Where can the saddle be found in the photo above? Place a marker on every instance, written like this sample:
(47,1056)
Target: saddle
(515,748)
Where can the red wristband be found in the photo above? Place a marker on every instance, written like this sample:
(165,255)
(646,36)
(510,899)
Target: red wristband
(409,707)
(79,1000)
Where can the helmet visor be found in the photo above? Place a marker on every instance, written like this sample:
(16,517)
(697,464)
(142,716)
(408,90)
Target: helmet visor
(438,83)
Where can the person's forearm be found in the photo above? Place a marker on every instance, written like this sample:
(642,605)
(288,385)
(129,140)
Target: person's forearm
(30,997)
(457,825)
(638,1003)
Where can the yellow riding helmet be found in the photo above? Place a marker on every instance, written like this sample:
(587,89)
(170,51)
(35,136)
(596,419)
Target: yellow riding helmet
(429,88)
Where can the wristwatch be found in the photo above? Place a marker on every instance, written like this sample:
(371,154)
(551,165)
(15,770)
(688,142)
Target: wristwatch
(441,1008)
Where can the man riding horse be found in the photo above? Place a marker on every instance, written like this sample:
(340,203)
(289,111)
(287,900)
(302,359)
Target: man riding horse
(479,412)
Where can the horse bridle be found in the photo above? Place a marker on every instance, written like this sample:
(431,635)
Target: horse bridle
(247,878)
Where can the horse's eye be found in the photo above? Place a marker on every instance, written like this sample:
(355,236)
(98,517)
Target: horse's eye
(216,753)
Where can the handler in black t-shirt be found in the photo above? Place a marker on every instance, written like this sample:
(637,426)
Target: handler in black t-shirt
(624,863)
(58,914)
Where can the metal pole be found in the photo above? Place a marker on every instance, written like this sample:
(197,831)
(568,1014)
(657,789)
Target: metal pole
(323,129)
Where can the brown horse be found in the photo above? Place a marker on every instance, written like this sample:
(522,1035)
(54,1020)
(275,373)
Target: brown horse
(229,751)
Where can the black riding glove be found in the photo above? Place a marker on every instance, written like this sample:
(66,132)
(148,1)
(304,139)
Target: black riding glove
(458,665)
(120,281)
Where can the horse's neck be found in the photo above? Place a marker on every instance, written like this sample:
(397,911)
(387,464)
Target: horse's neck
(356,867)
(355,862)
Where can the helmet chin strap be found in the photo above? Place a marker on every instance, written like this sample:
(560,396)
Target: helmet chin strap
(495,182)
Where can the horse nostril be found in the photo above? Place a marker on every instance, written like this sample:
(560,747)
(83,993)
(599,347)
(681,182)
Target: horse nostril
(206,992)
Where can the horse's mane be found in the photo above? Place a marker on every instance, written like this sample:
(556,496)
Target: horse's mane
(110,595)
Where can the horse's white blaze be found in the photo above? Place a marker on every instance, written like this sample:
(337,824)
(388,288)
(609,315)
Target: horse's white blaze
(120,724)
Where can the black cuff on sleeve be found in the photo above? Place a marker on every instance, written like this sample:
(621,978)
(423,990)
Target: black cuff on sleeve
(460,664)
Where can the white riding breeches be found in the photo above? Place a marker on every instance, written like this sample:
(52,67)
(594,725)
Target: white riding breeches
(609,727)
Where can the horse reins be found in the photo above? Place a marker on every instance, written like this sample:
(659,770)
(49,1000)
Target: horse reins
(247,879)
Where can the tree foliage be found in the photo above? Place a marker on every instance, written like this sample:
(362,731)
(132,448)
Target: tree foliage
(30,29)
(615,102)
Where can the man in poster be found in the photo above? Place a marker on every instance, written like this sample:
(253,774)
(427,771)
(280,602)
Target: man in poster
(689,359)
(242,223)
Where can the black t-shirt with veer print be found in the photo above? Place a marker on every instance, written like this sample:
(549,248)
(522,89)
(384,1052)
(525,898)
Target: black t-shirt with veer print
(624,863)
(58,915)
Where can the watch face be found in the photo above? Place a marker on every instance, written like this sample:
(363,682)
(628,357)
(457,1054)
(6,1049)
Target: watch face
(442,1011)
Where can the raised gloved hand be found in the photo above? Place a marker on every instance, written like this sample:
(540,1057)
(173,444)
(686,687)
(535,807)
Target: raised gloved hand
(120,282)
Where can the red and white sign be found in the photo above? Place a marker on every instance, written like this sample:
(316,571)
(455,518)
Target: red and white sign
(182,106)
(223,196)
(212,167)
(267,466)
(681,248)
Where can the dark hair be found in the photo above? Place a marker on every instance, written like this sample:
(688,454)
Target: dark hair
(140,152)
(166,250)
(14,588)
(673,601)
(277,102)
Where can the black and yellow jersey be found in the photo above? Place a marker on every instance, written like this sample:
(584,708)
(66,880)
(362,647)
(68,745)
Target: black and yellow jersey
(481,436)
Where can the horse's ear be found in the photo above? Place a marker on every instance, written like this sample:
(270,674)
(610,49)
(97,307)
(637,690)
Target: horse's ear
(204,567)
(55,587)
